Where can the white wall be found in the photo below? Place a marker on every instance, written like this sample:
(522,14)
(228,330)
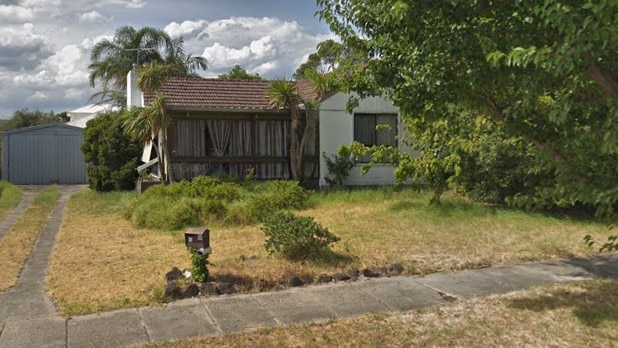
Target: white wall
(337,128)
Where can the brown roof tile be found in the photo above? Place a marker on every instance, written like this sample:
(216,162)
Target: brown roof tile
(200,93)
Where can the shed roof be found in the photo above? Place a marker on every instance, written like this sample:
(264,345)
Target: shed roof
(43,127)
(218,94)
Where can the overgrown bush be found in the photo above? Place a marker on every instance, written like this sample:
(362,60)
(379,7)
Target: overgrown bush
(273,196)
(207,199)
(339,166)
(296,237)
(111,155)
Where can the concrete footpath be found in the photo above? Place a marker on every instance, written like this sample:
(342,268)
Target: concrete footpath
(39,325)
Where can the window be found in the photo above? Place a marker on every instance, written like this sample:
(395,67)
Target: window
(366,133)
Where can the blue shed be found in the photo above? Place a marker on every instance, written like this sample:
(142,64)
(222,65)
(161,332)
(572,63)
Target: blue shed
(43,155)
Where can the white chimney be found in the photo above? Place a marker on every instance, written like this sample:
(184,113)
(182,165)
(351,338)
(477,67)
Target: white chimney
(134,95)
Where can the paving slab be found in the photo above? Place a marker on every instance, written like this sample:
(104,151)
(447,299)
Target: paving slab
(44,333)
(22,305)
(401,293)
(346,300)
(109,329)
(560,271)
(294,306)
(178,320)
(238,313)
(600,265)
(517,277)
(466,284)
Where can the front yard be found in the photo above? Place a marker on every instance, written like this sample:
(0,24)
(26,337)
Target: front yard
(101,262)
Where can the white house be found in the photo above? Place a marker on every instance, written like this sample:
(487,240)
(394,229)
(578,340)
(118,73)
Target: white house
(80,116)
(339,127)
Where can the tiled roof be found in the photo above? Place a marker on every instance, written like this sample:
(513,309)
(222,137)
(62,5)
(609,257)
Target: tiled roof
(200,93)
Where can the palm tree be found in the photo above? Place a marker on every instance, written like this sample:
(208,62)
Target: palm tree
(284,94)
(188,65)
(111,60)
(150,123)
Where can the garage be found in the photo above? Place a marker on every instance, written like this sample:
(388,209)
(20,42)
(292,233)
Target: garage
(43,155)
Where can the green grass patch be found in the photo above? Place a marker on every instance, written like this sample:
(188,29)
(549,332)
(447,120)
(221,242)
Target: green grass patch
(10,196)
(206,200)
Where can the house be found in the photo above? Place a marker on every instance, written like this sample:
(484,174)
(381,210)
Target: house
(80,116)
(339,127)
(226,127)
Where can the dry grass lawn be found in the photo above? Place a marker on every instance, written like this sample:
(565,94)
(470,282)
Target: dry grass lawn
(101,262)
(17,244)
(581,314)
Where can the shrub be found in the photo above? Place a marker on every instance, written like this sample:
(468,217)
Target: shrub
(339,166)
(274,196)
(199,266)
(296,237)
(111,155)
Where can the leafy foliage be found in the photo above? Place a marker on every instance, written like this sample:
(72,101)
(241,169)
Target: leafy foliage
(238,73)
(541,76)
(207,200)
(111,60)
(27,118)
(296,237)
(339,166)
(199,266)
(283,94)
(112,157)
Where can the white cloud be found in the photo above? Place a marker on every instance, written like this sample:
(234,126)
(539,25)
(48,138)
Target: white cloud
(13,13)
(185,28)
(132,4)
(92,17)
(268,46)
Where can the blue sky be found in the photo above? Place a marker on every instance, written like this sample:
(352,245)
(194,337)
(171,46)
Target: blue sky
(45,44)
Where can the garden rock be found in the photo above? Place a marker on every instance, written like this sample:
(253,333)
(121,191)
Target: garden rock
(295,282)
(173,275)
(307,279)
(353,273)
(395,269)
(325,278)
(226,288)
(190,290)
(172,291)
(208,289)
(370,273)
(341,277)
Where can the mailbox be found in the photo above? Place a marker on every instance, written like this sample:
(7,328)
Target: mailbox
(197,238)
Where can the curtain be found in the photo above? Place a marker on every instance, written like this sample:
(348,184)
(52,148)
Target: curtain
(220,131)
(189,138)
(273,141)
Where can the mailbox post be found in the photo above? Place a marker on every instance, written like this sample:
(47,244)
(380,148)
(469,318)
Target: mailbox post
(199,239)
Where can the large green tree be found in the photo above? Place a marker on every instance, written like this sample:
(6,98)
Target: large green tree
(539,74)
(152,122)
(111,60)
